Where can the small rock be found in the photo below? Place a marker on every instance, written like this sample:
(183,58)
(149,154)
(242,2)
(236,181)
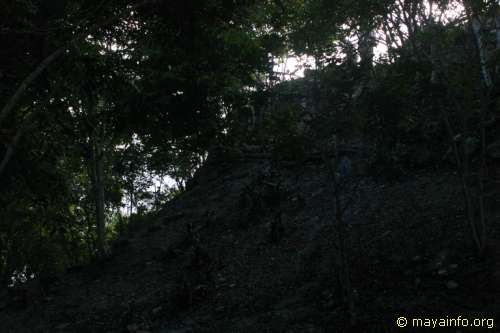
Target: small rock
(157,310)
(418,281)
(442,271)
(443,254)
(133,328)
(314,219)
(318,192)
(330,304)
(451,284)
(62,326)
(494,150)
(397,258)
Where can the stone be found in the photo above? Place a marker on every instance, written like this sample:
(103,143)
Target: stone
(418,281)
(62,326)
(493,150)
(157,310)
(132,328)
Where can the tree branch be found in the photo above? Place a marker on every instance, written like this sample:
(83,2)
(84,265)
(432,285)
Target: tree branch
(10,149)
(27,81)
(47,61)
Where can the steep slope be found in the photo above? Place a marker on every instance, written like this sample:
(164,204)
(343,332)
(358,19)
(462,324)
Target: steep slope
(252,247)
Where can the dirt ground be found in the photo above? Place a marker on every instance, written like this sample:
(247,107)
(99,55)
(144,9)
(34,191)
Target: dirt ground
(253,248)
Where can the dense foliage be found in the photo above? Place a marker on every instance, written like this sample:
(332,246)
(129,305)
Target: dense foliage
(101,100)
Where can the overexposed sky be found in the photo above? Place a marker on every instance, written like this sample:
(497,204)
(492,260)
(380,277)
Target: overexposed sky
(293,66)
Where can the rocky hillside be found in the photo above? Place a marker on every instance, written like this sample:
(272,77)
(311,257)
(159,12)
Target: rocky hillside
(252,247)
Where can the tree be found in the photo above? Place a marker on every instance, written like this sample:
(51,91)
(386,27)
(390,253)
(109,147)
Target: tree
(84,79)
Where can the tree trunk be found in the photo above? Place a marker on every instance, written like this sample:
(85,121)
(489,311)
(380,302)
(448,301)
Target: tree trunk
(477,28)
(487,87)
(497,33)
(131,201)
(97,177)
(366,49)
(97,172)
(101,222)
(344,261)
(477,224)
